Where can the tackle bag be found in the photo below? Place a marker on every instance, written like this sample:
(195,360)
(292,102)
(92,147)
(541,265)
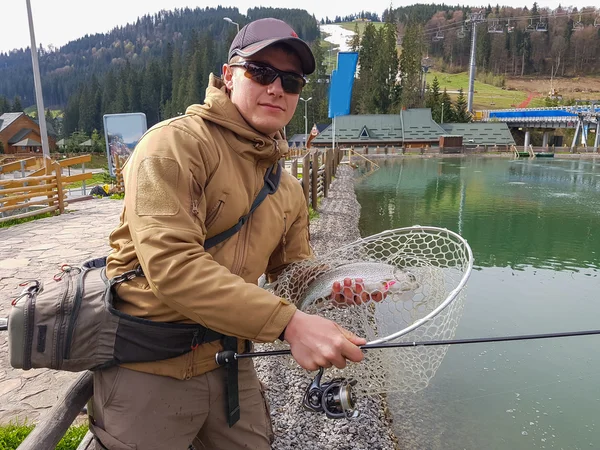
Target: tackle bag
(71,323)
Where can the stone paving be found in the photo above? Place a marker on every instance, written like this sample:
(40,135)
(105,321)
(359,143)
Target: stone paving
(37,249)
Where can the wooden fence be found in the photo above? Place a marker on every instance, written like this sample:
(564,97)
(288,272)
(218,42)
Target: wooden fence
(42,191)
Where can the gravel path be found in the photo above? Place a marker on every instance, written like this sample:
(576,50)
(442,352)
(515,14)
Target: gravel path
(294,427)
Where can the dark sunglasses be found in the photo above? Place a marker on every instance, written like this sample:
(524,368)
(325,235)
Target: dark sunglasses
(291,82)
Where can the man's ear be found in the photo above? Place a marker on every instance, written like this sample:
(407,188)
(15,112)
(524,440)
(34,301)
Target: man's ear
(227,77)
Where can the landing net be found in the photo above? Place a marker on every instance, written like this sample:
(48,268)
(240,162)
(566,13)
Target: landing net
(420,271)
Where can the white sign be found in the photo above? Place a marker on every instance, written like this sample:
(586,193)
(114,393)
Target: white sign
(122,133)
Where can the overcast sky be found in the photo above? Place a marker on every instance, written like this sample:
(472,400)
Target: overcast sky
(60,21)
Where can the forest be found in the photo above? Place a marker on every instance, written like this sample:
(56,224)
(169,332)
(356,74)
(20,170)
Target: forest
(160,64)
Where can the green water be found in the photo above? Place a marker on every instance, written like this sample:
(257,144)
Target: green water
(535,233)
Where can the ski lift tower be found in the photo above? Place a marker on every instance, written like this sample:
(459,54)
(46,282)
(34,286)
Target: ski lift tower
(474,18)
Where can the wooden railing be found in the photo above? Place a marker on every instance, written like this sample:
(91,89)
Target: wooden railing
(42,191)
(315,183)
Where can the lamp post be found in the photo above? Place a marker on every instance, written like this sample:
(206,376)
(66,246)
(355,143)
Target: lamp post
(305,118)
(442,112)
(38,86)
(227,19)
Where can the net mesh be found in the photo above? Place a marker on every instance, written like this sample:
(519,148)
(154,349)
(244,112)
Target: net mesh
(410,288)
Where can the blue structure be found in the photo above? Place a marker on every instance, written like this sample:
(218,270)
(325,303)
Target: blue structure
(584,116)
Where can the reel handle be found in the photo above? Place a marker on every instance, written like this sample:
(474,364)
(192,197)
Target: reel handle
(3,323)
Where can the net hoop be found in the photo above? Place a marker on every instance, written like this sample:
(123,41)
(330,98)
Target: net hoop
(453,293)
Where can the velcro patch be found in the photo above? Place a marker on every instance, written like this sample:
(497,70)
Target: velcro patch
(157,181)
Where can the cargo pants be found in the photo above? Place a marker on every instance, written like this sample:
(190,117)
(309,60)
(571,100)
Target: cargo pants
(140,411)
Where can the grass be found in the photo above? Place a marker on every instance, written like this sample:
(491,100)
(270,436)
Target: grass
(97,178)
(11,436)
(99,161)
(361,26)
(312,214)
(13,222)
(486,96)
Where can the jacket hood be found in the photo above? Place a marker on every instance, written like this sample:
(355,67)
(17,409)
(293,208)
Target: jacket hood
(243,139)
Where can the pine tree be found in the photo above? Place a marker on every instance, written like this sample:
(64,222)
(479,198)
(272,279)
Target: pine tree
(4,105)
(446,110)
(434,101)
(16,106)
(367,60)
(410,66)
(461,113)
(355,40)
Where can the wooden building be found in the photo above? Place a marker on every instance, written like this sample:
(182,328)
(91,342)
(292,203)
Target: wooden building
(17,129)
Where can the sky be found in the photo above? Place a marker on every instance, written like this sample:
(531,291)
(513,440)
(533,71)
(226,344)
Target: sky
(60,21)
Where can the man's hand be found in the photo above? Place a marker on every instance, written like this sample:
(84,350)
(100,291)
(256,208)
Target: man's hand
(317,342)
(354,292)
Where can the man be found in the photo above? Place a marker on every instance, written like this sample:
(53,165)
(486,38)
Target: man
(189,179)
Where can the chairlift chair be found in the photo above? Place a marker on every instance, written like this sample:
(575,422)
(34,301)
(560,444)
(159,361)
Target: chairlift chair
(597,22)
(461,34)
(439,35)
(495,27)
(541,26)
(578,26)
(509,28)
(530,27)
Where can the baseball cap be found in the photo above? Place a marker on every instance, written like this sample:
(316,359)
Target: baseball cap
(262,33)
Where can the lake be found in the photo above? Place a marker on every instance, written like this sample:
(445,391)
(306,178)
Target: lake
(534,228)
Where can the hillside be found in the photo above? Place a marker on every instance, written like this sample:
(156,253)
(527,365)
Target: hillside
(151,37)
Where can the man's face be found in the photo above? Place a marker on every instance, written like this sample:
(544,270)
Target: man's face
(266,108)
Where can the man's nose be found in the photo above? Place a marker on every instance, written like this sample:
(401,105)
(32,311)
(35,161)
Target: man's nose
(275,88)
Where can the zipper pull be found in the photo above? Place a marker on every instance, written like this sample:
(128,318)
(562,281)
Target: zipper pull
(195,341)
(195,207)
(64,269)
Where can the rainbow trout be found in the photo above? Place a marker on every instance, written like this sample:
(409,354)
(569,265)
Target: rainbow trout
(376,276)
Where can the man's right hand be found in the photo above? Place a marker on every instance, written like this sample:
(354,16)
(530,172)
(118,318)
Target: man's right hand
(317,342)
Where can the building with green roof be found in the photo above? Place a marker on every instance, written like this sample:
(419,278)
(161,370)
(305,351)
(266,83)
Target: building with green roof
(410,128)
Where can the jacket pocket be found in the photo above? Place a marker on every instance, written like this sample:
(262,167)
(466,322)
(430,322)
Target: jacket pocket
(213,214)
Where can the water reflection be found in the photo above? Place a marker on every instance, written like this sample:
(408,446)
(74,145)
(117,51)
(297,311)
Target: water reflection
(531,226)
(514,214)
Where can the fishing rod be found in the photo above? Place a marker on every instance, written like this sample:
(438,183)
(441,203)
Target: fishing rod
(335,398)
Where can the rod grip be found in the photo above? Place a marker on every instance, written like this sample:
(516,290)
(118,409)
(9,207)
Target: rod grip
(3,323)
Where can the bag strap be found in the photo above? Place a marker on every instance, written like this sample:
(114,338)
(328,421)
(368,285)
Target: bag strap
(272,178)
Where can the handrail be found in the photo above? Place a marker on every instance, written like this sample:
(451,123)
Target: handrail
(55,423)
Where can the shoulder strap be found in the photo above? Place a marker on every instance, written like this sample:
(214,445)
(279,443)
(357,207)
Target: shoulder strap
(272,178)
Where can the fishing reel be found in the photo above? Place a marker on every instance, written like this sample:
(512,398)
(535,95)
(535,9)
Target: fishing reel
(333,398)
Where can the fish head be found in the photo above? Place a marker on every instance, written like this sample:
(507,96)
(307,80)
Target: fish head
(404,281)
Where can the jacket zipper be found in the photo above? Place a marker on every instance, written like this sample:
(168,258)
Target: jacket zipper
(74,314)
(30,311)
(60,334)
(195,209)
(283,243)
(213,214)
(240,250)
